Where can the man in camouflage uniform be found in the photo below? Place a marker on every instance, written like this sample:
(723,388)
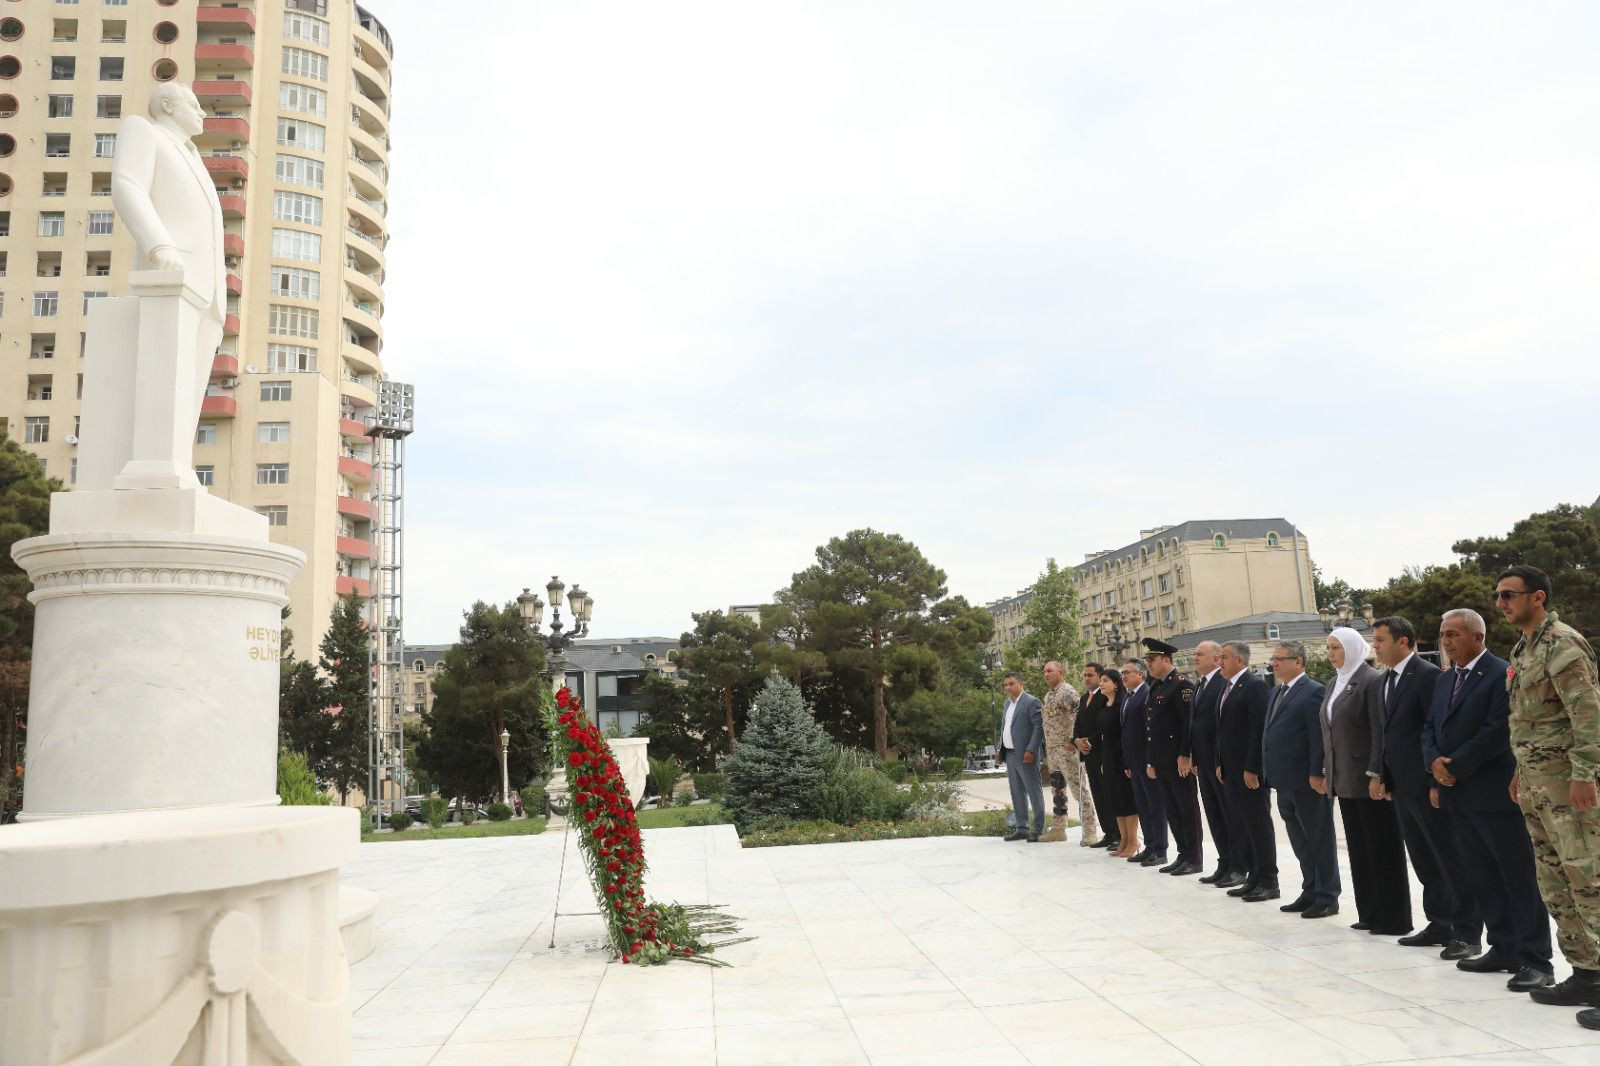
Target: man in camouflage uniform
(1063,769)
(1555,732)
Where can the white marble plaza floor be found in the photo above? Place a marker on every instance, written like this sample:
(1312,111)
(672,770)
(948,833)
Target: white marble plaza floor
(951,950)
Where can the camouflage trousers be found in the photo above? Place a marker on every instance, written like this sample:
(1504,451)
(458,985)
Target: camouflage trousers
(1077,790)
(1566,847)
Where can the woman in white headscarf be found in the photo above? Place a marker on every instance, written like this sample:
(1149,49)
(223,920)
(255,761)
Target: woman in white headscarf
(1352,745)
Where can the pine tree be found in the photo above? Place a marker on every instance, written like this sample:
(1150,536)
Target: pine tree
(346,665)
(24,512)
(780,761)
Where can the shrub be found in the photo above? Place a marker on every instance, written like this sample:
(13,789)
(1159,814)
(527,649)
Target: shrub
(297,786)
(533,800)
(469,815)
(778,832)
(781,759)
(399,821)
(434,810)
(708,786)
(498,812)
(952,768)
(854,793)
(664,776)
(708,815)
(893,769)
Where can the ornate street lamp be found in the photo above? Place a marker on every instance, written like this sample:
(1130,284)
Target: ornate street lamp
(1109,635)
(581,607)
(505,777)
(1343,614)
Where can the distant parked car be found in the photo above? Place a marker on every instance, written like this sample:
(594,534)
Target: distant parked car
(478,812)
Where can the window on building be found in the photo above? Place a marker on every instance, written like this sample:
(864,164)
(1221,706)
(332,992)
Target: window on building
(72,470)
(297,133)
(63,68)
(304,64)
(57,145)
(1150,617)
(272,473)
(60,107)
(297,244)
(105,145)
(1272,540)
(36,430)
(297,27)
(315,7)
(46,304)
(90,297)
(276,391)
(41,387)
(101,222)
(108,107)
(1147,588)
(297,207)
(302,98)
(206,433)
(111,68)
(1097,600)
(291,359)
(296,284)
(297,170)
(1219,541)
(206,475)
(1164,582)
(1178,571)
(1111,598)
(275,516)
(1166,616)
(1273,632)
(1083,605)
(418,666)
(272,433)
(285,320)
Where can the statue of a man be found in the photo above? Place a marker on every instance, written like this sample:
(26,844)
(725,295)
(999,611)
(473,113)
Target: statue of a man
(166,198)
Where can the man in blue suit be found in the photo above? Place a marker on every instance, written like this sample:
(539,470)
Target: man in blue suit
(1021,752)
(1291,755)
(1466,741)
(1135,756)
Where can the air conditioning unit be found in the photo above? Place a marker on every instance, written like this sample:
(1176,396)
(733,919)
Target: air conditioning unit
(71,439)
(237,183)
(229,383)
(250,368)
(235,145)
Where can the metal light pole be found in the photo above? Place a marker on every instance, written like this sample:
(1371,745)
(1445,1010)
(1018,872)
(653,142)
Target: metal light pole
(1109,635)
(505,778)
(531,607)
(1343,614)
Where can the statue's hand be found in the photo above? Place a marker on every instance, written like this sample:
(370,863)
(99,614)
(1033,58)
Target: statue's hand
(165,257)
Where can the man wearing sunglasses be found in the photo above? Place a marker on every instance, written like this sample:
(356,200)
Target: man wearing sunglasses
(1555,734)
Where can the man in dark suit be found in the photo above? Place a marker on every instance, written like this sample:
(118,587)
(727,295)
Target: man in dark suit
(1135,740)
(1453,920)
(1021,749)
(1198,757)
(1166,722)
(1241,724)
(1466,740)
(1291,753)
(1084,733)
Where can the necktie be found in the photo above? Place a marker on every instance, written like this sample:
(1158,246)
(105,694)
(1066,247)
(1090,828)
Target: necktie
(1388,689)
(1461,679)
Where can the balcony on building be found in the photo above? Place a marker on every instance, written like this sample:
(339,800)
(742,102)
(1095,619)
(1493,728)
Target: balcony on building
(224,365)
(225,128)
(232,207)
(232,244)
(230,325)
(356,507)
(352,428)
(353,547)
(225,19)
(355,469)
(227,92)
(359,359)
(219,405)
(217,55)
(352,586)
(366,288)
(369,175)
(372,33)
(226,166)
(235,285)
(370,82)
(362,317)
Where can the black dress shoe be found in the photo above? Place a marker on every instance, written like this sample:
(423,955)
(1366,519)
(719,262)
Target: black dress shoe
(1156,859)
(1171,866)
(1582,989)
(1033,838)
(1242,889)
(1104,842)
(1301,902)
(1389,930)
(1528,979)
(1212,878)
(1139,856)
(1321,910)
(1362,926)
(1187,869)
(1260,895)
(1490,961)
(1428,936)
(1460,949)
(1589,1019)
(1232,879)
(1017,836)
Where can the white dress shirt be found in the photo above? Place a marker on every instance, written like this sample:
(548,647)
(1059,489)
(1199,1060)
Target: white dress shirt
(1005,732)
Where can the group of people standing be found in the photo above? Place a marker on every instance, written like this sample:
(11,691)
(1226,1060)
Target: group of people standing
(1484,773)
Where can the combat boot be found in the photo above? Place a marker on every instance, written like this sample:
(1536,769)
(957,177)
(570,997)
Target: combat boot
(1057,830)
(1582,989)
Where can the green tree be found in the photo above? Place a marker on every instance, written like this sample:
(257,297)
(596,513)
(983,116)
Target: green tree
(782,761)
(1329,593)
(347,693)
(24,512)
(723,648)
(865,603)
(490,681)
(950,720)
(1424,594)
(1564,543)
(682,718)
(1054,632)
(305,725)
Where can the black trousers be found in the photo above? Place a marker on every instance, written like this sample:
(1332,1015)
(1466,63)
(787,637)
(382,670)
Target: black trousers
(1253,808)
(1178,799)
(1152,814)
(1499,858)
(1377,863)
(1215,804)
(1447,897)
(1308,819)
(1102,808)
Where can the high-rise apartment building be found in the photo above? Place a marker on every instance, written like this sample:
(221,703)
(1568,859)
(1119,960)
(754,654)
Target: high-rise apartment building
(297,145)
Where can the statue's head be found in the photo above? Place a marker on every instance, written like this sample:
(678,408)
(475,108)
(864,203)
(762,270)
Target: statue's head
(175,103)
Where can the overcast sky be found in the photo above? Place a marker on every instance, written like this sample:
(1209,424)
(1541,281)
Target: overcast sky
(688,288)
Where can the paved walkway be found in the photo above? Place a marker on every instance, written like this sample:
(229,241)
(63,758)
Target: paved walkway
(952,950)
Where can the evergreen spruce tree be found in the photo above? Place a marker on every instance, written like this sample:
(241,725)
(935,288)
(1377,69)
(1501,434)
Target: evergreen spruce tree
(781,759)
(346,665)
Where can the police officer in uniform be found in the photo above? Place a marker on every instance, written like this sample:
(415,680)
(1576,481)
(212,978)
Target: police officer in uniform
(1166,727)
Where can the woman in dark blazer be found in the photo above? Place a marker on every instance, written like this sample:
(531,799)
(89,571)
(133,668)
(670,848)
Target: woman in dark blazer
(1352,745)
(1118,786)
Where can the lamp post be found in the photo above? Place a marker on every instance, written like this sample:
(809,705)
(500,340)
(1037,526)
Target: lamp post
(531,608)
(1109,635)
(1343,614)
(505,777)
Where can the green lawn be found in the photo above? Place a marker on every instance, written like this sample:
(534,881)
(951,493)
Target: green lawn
(678,817)
(450,831)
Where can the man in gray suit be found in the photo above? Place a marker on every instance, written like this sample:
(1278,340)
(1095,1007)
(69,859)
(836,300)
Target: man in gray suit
(1021,751)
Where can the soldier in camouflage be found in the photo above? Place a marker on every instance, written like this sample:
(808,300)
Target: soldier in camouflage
(1555,732)
(1063,768)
